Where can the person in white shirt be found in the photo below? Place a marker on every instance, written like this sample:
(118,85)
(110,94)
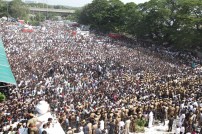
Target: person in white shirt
(181,120)
(77,121)
(81,130)
(181,107)
(43,128)
(151,117)
(177,131)
(182,130)
(127,125)
(101,124)
(121,124)
(48,129)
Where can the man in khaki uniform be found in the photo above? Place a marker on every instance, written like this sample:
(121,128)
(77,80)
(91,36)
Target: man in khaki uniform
(90,127)
(70,131)
(32,129)
(95,126)
(127,125)
(32,121)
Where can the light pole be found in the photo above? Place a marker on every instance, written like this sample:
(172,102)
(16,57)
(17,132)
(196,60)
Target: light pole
(7,9)
(46,9)
(200,77)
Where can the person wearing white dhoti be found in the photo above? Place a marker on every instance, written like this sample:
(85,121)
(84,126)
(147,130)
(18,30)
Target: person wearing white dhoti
(127,125)
(181,120)
(151,118)
(101,125)
(121,125)
(177,131)
(182,130)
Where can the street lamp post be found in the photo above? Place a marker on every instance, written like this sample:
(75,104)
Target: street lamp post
(200,77)
(46,9)
(7,9)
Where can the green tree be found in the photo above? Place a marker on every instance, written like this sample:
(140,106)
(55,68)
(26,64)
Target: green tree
(103,15)
(152,23)
(40,17)
(132,17)
(2,97)
(115,16)
(38,5)
(18,9)
(189,20)
(3,8)
(84,16)
(97,14)
(173,22)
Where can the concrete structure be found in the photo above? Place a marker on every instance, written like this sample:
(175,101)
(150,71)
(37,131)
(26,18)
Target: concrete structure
(63,11)
(30,1)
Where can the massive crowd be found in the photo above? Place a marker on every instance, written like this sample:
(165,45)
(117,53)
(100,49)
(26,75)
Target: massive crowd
(98,86)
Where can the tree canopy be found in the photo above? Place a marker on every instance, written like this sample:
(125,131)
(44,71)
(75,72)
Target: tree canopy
(176,22)
(18,9)
(3,8)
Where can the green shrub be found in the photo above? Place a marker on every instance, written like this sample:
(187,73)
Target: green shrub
(139,125)
(139,129)
(141,122)
(2,97)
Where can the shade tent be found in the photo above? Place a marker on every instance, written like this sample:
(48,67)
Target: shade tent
(6,74)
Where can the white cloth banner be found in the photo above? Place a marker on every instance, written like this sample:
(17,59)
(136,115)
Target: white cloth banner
(55,126)
(42,107)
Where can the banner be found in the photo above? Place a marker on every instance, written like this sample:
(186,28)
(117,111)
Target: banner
(74,33)
(27,30)
(115,36)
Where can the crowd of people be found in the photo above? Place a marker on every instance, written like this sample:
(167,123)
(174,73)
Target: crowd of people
(96,85)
